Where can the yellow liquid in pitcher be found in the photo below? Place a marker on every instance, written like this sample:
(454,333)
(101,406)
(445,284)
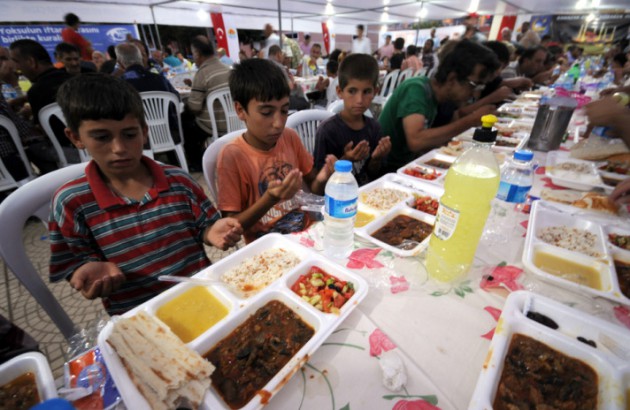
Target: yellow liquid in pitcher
(469,188)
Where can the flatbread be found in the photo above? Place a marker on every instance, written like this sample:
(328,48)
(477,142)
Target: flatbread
(165,371)
(585,200)
(597,148)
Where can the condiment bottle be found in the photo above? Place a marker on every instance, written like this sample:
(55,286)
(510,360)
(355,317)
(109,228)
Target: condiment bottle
(471,183)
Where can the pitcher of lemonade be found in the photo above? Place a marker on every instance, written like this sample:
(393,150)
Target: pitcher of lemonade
(470,185)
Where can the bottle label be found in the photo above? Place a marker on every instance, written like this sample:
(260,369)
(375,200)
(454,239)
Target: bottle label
(445,222)
(513,193)
(341,209)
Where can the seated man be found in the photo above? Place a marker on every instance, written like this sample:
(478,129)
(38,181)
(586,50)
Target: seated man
(211,76)
(260,171)
(128,219)
(310,63)
(69,57)
(409,113)
(531,64)
(297,100)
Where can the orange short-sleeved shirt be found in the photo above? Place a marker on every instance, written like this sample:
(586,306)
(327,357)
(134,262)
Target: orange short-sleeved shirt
(244,172)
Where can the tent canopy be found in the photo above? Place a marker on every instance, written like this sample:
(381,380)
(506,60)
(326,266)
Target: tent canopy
(297,15)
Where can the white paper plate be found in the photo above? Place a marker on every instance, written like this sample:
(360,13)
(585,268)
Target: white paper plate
(613,371)
(542,216)
(241,308)
(35,363)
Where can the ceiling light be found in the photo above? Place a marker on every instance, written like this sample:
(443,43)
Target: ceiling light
(595,3)
(590,18)
(474,5)
(385,2)
(329,9)
(384,16)
(422,13)
(386,8)
(581,4)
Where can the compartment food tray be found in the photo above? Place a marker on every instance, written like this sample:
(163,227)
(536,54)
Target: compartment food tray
(613,371)
(571,179)
(240,308)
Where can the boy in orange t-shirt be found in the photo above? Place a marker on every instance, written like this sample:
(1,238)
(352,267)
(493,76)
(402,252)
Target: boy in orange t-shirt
(260,171)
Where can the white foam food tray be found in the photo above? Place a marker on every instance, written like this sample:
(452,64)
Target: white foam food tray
(369,229)
(33,362)
(388,181)
(571,179)
(613,371)
(420,164)
(240,308)
(517,140)
(542,217)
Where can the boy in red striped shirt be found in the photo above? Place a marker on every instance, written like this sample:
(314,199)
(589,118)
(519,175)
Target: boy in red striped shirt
(129,219)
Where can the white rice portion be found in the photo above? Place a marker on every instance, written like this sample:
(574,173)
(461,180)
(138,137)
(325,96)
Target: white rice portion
(383,198)
(573,239)
(258,272)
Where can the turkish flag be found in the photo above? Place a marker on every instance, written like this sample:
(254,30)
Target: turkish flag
(326,37)
(219,31)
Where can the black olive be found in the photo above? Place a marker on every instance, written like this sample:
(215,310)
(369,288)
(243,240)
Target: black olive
(543,320)
(586,341)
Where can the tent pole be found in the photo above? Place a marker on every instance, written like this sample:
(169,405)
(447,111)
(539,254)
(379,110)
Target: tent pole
(280,21)
(157,32)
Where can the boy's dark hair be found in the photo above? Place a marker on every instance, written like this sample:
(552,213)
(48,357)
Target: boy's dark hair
(116,99)
(620,58)
(361,27)
(411,50)
(257,79)
(65,48)
(111,50)
(274,50)
(31,48)
(71,19)
(358,67)
(307,36)
(500,49)
(399,43)
(332,66)
(545,37)
(529,53)
(463,59)
(203,47)
(334,56)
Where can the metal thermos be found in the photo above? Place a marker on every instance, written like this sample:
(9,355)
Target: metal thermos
(551,123)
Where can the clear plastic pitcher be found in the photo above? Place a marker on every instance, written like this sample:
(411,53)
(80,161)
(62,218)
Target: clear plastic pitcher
(551,123)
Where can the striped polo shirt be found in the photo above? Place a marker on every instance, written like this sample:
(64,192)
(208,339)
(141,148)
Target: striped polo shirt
(162,234)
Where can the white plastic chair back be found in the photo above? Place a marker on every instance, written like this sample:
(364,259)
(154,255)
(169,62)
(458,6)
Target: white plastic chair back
(233,123)
(211,159)
(389,83)
(403,76)
(336,106)
(305,123)
(44,116)
(34,198)
(156,106)
(6,180)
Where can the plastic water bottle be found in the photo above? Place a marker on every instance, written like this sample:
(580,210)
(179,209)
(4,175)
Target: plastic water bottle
(9,92)
(517,177)
(342,194)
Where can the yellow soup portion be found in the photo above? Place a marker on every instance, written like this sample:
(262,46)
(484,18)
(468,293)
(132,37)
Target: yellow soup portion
(363,219)
(192,313)
(566,269)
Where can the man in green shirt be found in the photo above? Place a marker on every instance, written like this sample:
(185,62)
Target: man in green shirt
(410,111)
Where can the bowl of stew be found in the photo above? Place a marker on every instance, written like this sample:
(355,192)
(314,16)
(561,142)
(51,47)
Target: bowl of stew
(26,380)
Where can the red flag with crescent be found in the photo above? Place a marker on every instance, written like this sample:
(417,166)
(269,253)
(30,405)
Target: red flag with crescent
(219,31)
(326,37)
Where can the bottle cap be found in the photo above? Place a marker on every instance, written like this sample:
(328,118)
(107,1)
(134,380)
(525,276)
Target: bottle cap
(487,121)
(343,166)
(523,155)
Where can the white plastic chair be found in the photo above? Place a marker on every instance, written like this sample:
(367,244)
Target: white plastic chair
(45,116)
(156,107)
(6,179)
(336,106)
(403,76)
(34,198)
(305,123)
(232,121)
(211,159)
(389,83)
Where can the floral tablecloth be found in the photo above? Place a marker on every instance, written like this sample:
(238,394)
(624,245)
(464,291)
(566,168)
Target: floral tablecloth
(441,333)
